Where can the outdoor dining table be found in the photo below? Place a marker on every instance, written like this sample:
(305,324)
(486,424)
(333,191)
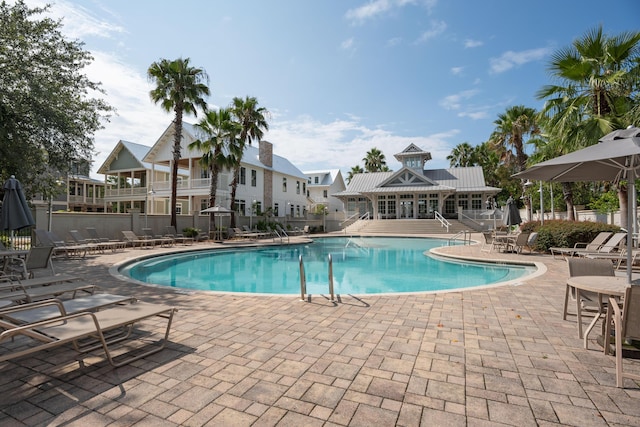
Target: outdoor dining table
(606,286)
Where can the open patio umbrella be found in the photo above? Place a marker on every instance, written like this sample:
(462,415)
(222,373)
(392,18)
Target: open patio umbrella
(512,213)
(221,211)
(16,213)
(616,156)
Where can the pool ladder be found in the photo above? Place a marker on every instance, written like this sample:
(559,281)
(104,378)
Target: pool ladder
(303,279)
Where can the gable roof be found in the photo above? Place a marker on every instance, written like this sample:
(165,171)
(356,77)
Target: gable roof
(329,176)
(464,179)
(136,153)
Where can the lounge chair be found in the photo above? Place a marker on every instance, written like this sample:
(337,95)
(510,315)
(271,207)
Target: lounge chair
(37,289)
(114,245)
(255,234)
(48,238)
(38,258)
(79,239)
(592,246)
(589,301)
(159,240)
(618,258)
(614,244)
(71,329)
(51,308)
(135,240)
(626,323)
(177,237)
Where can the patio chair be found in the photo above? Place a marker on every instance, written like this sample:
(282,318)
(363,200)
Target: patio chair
(76,328)
(32,290)
(626,323)
(490,242)
(177,237)
(38,258)
(592,246)
(79,239)
(589,301)
(520,241)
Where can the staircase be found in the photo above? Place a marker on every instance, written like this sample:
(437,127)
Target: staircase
(405,226)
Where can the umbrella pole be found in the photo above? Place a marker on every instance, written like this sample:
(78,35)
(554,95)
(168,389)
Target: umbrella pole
(631,195)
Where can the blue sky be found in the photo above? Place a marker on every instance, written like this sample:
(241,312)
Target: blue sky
(338,77)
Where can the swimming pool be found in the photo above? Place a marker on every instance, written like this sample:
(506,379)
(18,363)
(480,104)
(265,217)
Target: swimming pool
(368,265)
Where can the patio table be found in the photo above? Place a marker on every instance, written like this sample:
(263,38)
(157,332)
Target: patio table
(602,285)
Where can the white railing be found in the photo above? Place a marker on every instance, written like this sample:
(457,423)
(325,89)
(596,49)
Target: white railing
(443,220)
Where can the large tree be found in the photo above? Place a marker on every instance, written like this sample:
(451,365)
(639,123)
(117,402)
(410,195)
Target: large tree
(219,133)
(353,172)
(374,160)
(253,124)
(462,155)
(513,127)
(179,88)
(48,116)
(597,84)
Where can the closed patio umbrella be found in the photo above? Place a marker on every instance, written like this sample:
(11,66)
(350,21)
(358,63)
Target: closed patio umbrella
(616,156)
(16,213)
(512,213)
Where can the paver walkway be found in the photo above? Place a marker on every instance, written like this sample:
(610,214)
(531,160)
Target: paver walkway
(486,357)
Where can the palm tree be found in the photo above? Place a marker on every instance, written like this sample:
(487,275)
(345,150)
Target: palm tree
(253,124)
(462,155)
(354,170)
(179,88)
(221,132)
(509,138)
(374,160)
(597,92)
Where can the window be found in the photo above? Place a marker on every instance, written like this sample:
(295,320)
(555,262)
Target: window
(204,204)
(297,210)
(309,180)
(315,180)
(204,173)
(304,188)
(240,206)
(178,209)
(297,187)
(242,179)
(258,208)
(324,194)
(284,188)
(275,209)
(254,177)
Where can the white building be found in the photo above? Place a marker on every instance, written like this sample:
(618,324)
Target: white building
(321,185)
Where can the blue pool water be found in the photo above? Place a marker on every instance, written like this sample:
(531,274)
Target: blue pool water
(368,265)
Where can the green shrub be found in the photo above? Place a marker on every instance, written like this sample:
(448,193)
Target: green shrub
(561,233)
(191,231)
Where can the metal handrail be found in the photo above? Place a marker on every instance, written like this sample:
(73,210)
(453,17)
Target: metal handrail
(303,280)
(442,220)
(331,277)
(458,234)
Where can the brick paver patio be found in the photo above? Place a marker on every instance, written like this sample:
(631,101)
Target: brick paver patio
(485,357)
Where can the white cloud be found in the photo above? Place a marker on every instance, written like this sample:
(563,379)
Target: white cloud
(347,44)
(456,71)
(394,41)
(377,8)
(454,101)
(475,115)
(469,43)
(311,144)
(511,59)
(436,28)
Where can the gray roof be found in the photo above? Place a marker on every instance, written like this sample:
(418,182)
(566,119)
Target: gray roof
(466,180)
(280,164)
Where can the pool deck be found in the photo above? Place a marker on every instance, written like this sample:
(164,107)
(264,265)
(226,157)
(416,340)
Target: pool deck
(484,357)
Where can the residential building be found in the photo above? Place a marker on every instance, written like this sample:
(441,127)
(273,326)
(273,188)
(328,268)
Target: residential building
(415,192)
(321,185)
(128,179)
(265,180)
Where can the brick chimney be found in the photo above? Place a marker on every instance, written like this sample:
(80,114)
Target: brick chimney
(266,153)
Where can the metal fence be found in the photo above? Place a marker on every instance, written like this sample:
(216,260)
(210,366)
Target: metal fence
(19,240)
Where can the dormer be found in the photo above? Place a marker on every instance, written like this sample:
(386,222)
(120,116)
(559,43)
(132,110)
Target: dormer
(413,157)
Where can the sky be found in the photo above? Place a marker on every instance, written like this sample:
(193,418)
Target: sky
(338,77)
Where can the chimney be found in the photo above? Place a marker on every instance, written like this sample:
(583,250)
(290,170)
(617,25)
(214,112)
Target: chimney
(266,153)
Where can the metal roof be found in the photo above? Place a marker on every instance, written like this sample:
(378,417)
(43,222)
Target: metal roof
(467,179)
